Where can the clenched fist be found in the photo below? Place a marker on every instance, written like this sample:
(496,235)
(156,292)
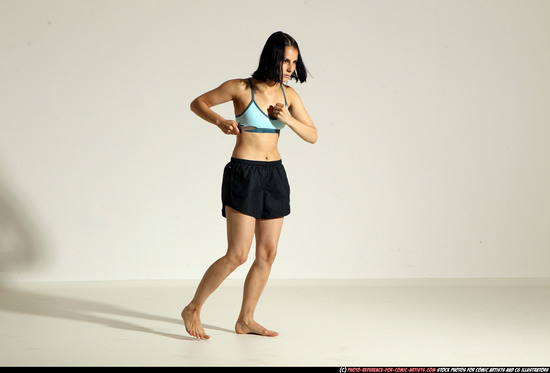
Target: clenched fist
(229,127)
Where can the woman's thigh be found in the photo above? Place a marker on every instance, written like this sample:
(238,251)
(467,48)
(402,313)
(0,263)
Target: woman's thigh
(268,233)
(240,232)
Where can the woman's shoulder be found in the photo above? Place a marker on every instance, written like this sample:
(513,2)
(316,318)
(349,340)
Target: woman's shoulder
(289,88)
(235,86)
(290,92)
(237,83)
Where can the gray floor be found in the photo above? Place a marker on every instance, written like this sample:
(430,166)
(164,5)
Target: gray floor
(321,323)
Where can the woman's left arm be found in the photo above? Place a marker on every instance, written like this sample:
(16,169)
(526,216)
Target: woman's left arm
(296,117)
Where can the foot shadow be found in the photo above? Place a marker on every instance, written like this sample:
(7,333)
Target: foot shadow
(212,327)
(60,307)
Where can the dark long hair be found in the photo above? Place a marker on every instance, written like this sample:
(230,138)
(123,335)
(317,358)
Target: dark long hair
(273,54)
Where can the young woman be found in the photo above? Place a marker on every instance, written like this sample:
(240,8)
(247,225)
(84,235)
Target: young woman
(255,190)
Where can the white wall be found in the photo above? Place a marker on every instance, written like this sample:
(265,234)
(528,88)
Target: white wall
(432,159)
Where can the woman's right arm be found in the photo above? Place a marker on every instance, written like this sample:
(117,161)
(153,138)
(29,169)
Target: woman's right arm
(224,93)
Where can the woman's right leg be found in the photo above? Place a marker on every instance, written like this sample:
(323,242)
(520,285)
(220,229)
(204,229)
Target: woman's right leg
(240,233)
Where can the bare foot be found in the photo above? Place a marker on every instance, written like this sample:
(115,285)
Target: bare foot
(242,327)
(193,324)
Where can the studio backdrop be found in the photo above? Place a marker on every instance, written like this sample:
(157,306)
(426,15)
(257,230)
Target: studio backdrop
(433,158)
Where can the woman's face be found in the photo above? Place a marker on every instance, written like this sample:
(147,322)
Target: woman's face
(288,64)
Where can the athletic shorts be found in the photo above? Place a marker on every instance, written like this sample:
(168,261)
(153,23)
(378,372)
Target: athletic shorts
(256,188)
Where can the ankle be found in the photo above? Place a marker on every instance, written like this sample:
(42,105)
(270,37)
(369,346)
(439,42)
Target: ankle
(191,307)
(246,318)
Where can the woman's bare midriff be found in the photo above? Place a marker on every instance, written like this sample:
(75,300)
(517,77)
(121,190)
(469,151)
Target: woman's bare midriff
(257,146)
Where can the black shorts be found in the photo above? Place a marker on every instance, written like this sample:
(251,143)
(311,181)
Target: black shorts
(256,188)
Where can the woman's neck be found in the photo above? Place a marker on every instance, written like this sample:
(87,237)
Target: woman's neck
(266,85)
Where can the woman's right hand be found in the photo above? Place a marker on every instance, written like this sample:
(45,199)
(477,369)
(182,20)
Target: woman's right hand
(229,127)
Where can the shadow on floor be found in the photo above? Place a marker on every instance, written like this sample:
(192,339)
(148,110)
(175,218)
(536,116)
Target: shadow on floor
(60,307)
(23,246)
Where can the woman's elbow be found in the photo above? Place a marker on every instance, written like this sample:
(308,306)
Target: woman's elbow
(313,138)
(193,106)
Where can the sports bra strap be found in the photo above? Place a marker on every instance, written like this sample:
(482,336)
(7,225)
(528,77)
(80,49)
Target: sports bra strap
(251,89)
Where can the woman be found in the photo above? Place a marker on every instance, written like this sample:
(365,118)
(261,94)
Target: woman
(255,191)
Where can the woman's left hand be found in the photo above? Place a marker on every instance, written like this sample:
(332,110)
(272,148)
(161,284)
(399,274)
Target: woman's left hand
(280,112)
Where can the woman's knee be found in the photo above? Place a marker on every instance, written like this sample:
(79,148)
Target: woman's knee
(237,259)
(267,255)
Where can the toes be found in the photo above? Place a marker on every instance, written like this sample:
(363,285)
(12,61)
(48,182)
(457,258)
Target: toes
(200,334)
(270,333)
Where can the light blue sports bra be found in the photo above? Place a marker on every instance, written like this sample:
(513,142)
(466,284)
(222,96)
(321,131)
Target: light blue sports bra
(253,119)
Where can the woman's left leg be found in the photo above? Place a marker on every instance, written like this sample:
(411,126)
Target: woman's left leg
(267,238)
